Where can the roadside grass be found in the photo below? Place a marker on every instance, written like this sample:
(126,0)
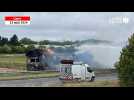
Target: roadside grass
(18,62)
(98,83)
(15,61)
(27,75)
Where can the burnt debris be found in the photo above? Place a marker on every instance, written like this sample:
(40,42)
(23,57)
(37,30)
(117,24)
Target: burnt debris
(34,60)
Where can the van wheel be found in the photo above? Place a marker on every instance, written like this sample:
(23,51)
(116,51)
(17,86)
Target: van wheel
(78,79)
(92,79)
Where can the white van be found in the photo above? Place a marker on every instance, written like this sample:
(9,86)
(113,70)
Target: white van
(78,71)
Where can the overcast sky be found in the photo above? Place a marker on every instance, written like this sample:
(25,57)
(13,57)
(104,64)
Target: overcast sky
(71,25)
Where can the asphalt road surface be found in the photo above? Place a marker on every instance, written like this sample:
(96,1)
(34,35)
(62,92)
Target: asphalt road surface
(40,82)
(107,77)
(45,82)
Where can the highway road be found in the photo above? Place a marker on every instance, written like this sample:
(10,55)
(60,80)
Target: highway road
(46,82)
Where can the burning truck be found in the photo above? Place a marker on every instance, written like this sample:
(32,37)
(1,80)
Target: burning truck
(47,58)
(37,59)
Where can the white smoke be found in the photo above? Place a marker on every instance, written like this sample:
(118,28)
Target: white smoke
(106,55)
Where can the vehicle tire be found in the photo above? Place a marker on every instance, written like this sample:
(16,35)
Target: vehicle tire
(77,79)
(92,79)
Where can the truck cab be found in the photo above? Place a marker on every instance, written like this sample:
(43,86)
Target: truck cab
(83,72)
(89,73)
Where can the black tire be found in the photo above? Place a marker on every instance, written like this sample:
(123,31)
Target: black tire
(92,79)
(77,79)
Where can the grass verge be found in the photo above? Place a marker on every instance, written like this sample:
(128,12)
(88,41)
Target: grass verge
(27,75)
(97,83)
(16,61)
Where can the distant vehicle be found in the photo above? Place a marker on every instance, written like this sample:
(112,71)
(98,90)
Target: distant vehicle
(76,71)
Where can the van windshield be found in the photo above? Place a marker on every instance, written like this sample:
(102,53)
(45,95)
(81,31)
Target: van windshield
(89,69)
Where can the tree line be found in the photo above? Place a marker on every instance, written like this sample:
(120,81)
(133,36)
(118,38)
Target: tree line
(14,41)
(14,45)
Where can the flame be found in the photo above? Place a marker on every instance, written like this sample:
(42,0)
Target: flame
(50,51)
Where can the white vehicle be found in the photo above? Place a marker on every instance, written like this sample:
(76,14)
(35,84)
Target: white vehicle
(77,70)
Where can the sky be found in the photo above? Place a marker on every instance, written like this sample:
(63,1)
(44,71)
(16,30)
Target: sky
(71,26)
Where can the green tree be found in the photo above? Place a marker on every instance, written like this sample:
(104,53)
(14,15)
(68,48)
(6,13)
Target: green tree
(44,42)
(5,49)
(14,49)
(4,41)
(30,47)
(14,40)
(125,65)
(27,41)
(42,47)
(21,49)
(0,39)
